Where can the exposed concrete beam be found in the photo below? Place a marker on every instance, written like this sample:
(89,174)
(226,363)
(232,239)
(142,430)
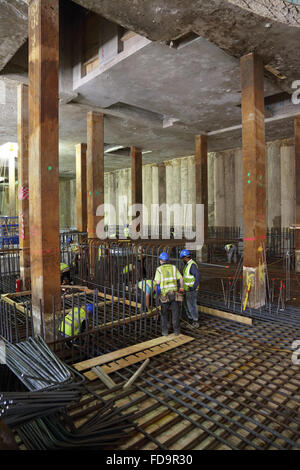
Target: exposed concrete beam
(254,177)
(95,169)
(297,171)
(278,117)
(23,181)
(13,28)
(228,24)
(81,197)
(43,162)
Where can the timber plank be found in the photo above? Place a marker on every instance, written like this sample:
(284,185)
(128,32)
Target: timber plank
(99,360)
(134,358)
(225,315)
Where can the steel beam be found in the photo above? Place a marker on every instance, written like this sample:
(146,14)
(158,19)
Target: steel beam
(81,197)
(23,179)
(297,169)
(43,162)
(254,172)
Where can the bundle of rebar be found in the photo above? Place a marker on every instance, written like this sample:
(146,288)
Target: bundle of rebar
(18,408)
(103,430)
(34,364)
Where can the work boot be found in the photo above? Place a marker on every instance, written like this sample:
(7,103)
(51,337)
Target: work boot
(176,332)
(164,333)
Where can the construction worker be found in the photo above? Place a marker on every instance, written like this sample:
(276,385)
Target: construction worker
(191,280)
(74,253)
(74,246)
(231,251)
(126,231)
(101,252)
(65,273)
(76,321)
(147,288)
(166,278)
(128,268)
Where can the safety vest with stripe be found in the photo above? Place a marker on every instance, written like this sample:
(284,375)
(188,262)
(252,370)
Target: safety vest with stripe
(64,267)
(127,269)
(101,252)
(126,232)
(227,247)
(168,279)
(188,278)
(149,283)
(73,319)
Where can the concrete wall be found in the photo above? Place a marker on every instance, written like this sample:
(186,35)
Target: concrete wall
(174,182)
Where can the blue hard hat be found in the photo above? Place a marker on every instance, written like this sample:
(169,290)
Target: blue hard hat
(90,308)
(69,239)
(184,253)
(164,256)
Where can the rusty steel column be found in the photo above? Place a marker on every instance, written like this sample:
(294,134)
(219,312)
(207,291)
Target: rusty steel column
(81,197)
(137,185)
(23,191)
(12,183)
(43,161)
(297,170)
(202,187)
(94,169)
(254,181)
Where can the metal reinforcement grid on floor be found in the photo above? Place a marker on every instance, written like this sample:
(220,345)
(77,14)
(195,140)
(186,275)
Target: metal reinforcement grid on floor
(224,390)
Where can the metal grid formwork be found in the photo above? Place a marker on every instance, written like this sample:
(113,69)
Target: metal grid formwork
(117,312)
(9,232)
(219,392)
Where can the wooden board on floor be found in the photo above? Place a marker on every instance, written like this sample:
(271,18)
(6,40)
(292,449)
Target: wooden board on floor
(112,356)
(225,315)
(125,357)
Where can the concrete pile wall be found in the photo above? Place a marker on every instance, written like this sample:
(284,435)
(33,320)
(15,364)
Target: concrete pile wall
(225,185)
(174,182)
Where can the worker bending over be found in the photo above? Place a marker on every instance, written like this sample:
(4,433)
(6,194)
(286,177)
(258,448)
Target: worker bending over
(191,279)
(147,288)
(65,273)
(166,278)
(76,321)
(231,251)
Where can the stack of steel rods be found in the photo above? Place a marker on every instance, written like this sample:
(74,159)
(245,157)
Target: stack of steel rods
(35,364)
(104,429)
(18,408)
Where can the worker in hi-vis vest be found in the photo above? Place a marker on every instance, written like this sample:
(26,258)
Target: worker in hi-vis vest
(166,279)
(231,251)
(147,288)
(126,231)
(76,321)
(64,273)
(191,280)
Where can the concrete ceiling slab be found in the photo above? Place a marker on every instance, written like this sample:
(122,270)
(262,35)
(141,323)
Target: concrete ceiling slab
(13,28)
(198,85)
(163,97)
(236,26)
